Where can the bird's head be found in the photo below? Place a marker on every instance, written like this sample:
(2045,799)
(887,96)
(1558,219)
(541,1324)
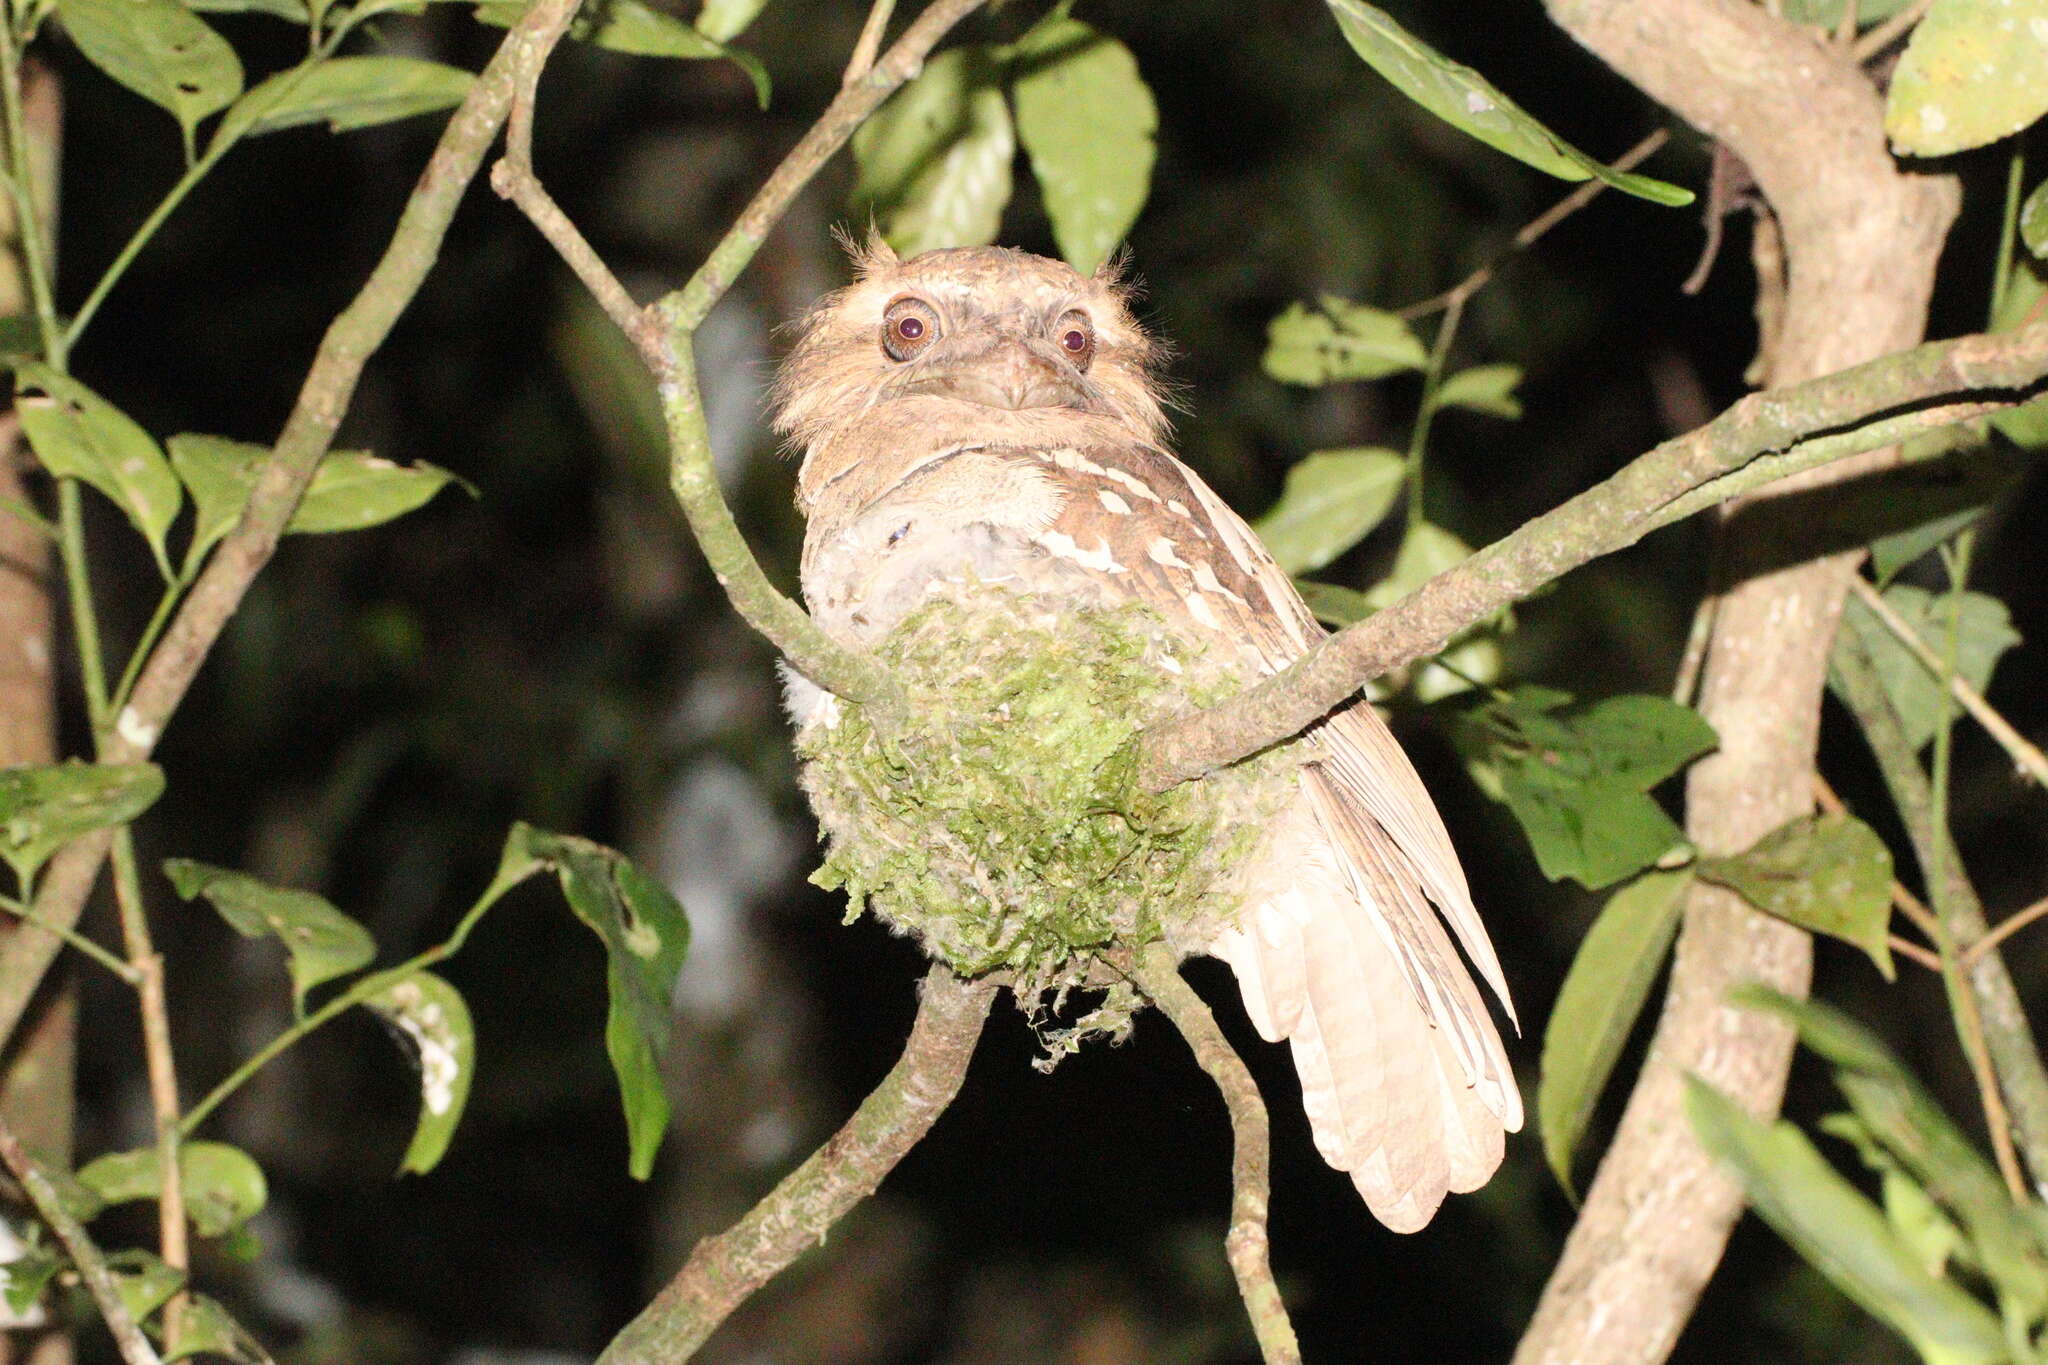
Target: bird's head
(972,339)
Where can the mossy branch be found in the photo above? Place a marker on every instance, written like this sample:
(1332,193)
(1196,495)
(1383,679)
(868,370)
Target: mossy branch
(1157,974)
(1764,437)
(723,1271)
(307,436)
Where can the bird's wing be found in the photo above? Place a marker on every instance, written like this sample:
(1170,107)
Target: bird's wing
(1340,947)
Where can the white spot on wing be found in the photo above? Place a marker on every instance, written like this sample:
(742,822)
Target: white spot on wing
(1062,545)
(1113,503)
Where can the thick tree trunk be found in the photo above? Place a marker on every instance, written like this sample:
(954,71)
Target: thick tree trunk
(1861,239)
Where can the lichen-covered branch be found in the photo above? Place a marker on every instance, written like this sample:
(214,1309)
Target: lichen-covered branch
(726,1269)
(1158,976)
(308,434)
(2008,1036)
(1610,516)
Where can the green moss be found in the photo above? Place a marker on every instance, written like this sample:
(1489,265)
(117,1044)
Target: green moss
(1001,822)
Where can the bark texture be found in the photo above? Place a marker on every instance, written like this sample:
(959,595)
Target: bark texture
(1861,239)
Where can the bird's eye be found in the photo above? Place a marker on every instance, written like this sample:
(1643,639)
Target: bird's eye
(908,327)
(1076,336)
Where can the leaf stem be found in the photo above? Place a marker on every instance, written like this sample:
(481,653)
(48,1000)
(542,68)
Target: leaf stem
(1432,381)
(85,625)
(21,179)
(112,963)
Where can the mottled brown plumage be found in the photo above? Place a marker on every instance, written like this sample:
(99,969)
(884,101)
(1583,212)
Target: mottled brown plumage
(985,415)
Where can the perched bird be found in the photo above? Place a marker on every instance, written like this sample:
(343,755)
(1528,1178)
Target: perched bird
(983,415)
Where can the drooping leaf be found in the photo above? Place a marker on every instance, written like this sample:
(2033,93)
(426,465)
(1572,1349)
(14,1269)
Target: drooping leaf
(347,93)
(1828,874)
(1973,72)
(160,50)
(1483,388)
(353,490)
(208,1329)
(323,943)
(1842,1234)
(1983,633)
(646,937)
(724,20)
(1597,1006)
(2026,425)
(2034,220)
(435,1019)
(935,160)
(23,1279)
(1426,551)
(1335,606)
(1331,500)
(1576,779)
(1925,504)
(219,474)
(1466,100)
(292,11)
(45,807)
(144,1282)
(78,434)
(223,1186)
(1340,341)
(635,27)
(1086,119)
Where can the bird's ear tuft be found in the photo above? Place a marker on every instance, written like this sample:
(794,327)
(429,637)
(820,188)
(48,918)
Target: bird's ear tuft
(870,255)
(1114,274)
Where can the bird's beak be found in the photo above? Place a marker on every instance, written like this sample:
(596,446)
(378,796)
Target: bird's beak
(1002,371)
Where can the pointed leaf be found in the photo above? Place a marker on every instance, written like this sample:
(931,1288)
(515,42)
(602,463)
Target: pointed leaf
(1336,607)
(354,489)
(1597,1006)
(44,808)
(23,1280)
(206,1328)
(724,20)
(1983,633)
(219,474)
(293,11)
(223,1186)
(160,50)
(1483,388)
(435,1018)
(1465,99)
(143,1281)
(1842,1234)
(1086,119)
(347,93)
(646,937)
(1340,341)
(635,27)
(2034,220)
(1828,874)
(1973,72)
(935,160)
(323,942)
(1332,499)
(78,434)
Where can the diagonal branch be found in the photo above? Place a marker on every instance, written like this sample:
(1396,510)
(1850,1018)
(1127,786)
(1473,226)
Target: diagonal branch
(1776,430)
(725,1270)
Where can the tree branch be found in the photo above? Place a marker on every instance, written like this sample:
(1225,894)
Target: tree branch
(308,434)
(1158,976)
(1782,427)
(726,1269)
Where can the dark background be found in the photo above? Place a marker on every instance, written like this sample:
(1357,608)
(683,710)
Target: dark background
(553,650)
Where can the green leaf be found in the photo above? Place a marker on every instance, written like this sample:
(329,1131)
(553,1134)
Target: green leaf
(78,434)
(434,1016)
(208,1329)
(223,1186)
(23,1279)
(1842,1234)
(347,93)
(323,942)
(1466,100)
(1340,341)
(354,489)
(219,474)
(1922,505)
(1973,72)
(293,11)
(1983,633)
(646,937)
(44,808)
(1426,551)
(1483,388)
(1829,874)
(1334,606)
(160,50)
(1332,499)
(934,162)
(1597,1006)
(1576,779)
(143,1281)
(634,27)
(1828,13)
(723,20)
(2034,220)
(1086,119)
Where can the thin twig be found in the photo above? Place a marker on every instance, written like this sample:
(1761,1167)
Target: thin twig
(726,1269)
(869,42)
(2026,756)
(1534,229)
(1906,948)
(1157,974)
(1687,680)
(1889,32)
(1608,517)
(308,433)
(2005,929)
(92,1267)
